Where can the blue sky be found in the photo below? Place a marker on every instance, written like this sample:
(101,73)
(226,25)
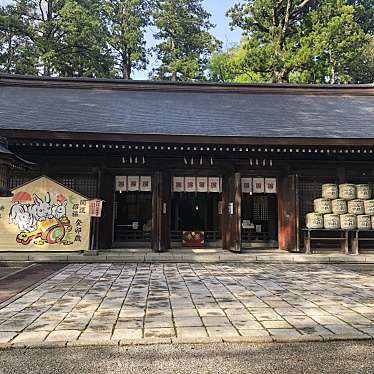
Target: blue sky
(222,30)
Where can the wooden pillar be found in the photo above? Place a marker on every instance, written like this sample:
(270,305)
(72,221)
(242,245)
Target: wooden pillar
(161,209)
(106,223)
(288,213)
(231,215)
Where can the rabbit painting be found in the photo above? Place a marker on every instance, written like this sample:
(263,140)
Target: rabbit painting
(41,209)
(21,216)
(59,210)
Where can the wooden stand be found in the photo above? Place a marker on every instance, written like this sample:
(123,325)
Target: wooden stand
(356,240)
(343,238)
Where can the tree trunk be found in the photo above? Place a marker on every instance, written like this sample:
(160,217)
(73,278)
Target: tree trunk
(174,72)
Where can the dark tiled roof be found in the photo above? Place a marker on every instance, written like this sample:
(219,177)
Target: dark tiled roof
(142,111)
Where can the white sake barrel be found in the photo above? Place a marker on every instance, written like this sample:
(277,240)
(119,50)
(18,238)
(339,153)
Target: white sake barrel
(331,221)
(364,222)
(330,191)
(347,191)
(369,207)
(339,206)
(356,207)
(372,221)
(314,221)
(348,221)
(322,206)
(363,191)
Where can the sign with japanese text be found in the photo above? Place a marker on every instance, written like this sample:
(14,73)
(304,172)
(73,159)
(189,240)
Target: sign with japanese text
(258,185)
(271,185)
(43,215)
(96,206)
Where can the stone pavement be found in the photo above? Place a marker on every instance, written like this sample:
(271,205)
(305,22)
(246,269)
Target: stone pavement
(111,302)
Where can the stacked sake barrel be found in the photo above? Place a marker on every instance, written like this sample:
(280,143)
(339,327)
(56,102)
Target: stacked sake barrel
(346,206)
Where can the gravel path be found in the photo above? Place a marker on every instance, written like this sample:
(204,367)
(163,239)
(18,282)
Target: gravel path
(337,357)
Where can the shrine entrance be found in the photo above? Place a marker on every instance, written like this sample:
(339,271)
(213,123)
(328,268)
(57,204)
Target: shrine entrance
(133,212)
(196,216)
(259,213)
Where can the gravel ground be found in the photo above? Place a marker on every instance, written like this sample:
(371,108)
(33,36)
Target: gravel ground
(332,357)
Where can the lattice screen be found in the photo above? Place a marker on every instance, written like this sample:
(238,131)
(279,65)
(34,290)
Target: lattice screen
(83,184)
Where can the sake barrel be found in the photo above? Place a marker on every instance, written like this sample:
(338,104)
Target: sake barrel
(369,207)
(363,191)
(347,191)
(322,206)
(364,222)
(348,221)
(372,221)
(314,221)
(356,207)
(339,206)
(331,221)
(330,191)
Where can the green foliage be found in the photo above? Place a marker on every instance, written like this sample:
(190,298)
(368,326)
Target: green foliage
(185,40)
(321,41)
(126,22)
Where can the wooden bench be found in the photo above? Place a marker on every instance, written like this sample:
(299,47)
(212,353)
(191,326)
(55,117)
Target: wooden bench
(356,240)
(343,238)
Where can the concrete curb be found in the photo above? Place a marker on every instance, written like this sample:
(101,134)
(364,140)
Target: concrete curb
(181,340)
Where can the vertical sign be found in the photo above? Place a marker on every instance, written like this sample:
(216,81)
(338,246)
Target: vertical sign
(202,184)
(121,183)
(146,183)
(178,184)
(133,183)
(270,185)
(258,185)
(190,184)
(246,185)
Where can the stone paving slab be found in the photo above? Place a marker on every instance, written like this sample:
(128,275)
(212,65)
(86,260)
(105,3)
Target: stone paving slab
(101,302)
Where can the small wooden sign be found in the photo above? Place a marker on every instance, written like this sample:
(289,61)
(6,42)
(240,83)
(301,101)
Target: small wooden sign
(95,207)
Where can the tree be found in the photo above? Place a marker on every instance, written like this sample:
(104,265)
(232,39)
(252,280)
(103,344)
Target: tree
(126,22)
(270,27)
(67,37)
(334,41)
(185,40)
(17,54)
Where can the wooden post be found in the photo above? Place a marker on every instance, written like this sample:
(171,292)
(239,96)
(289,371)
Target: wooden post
(231,217)
(161,209)
(106,223)
(288,213)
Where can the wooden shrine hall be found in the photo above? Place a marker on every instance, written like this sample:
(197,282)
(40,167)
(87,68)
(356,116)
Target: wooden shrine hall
(189,164)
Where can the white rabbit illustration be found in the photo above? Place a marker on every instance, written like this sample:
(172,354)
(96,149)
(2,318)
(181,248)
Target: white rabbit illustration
(59,210)
(41,209)
(21,216)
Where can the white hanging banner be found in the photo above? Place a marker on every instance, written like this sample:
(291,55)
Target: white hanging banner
(178,184)
(258,185)
(270,185)
(146,183)
(246,185)
(214,184)
(202,184)
(190,184)
(121,183)
(133,183)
